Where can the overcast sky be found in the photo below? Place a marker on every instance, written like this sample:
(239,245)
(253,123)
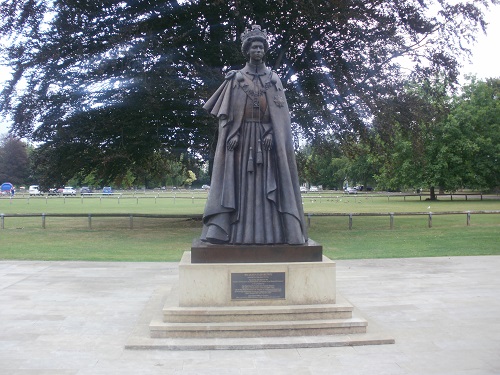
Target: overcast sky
(486,53)
(484,61)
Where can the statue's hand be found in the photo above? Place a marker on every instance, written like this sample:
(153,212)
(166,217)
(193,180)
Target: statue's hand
(268,142)
(233,143)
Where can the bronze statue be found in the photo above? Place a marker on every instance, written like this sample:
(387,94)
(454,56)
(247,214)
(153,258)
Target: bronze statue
(254,194)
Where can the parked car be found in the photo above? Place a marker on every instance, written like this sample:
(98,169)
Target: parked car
(107,190)
(53,191)
(313,188)
(34,190)
(351,190)
(85,190)
(206,187)
(303,189)
(68,190)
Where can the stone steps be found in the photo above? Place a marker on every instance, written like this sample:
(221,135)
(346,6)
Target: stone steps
(214,303)
(149,335)
(258,329)
(255,321)
(256,313)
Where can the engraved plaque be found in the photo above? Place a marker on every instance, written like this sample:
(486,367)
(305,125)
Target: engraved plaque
(258,285)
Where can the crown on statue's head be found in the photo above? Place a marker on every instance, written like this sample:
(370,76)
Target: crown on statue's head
(255,32)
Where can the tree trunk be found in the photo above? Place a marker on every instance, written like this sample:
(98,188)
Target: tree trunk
(433,194)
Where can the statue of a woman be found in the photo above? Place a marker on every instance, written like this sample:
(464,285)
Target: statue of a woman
(254,194)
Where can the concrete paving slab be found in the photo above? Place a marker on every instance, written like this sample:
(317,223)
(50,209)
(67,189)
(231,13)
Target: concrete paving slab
(76,318)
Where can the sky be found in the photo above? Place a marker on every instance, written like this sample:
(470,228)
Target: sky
(484,60)
(486,53)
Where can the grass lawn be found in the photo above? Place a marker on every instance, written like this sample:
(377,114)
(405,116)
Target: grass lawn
(110,239)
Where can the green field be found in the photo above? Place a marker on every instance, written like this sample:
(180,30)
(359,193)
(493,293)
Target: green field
(160,239)
(185,202)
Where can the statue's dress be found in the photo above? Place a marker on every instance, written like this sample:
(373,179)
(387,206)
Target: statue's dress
(254,194)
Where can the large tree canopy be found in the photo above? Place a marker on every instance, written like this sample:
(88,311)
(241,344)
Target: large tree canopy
(105,84)
(455,145)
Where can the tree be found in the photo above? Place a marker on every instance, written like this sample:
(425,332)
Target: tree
(465,149)
(360,169)
(322,163)
(109,83)
(14,161)
(403,130)
(399,166)
(454,145)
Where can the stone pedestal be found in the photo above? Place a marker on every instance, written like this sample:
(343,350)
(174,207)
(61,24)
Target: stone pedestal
(303,283)
(255,300)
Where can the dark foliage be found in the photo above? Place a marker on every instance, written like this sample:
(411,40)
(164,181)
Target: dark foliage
(14,162)
(106,84)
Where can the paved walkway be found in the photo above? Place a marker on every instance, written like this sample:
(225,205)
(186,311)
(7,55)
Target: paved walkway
(76,317)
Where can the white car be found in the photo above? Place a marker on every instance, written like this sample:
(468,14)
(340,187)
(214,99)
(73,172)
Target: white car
(314,188)
(68,190)
(351,190)
(34,190)
(303,189)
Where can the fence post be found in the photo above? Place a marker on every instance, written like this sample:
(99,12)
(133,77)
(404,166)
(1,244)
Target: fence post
(43,221)
(308,220)
(430,219)
(392,219)
(3,220)
(90,221)
(137,200)
(350,221)
(468,218)
(131,221)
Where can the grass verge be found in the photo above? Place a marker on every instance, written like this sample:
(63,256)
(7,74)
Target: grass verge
(110,239)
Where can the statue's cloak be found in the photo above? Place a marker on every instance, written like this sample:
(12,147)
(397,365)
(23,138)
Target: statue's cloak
(228,105)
